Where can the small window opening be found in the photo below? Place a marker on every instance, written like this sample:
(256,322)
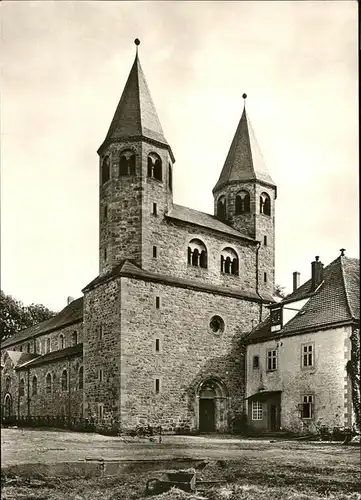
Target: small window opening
(64,381)
(157,302)
(22,387)
(265,204)
(154,212)
(221,208)
(105,254)
(74,338)
(101,332)
(154,166)
(154,252)
(157,385)
(265,240)
(35,386)
(255,362)
(265,277)
(48,383)
(243,202)
(81,377)
(157,345)
(105,172)
(170,177)
(100,372)
(105,212)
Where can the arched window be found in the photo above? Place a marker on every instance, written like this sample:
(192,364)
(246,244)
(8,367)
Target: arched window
(61,341)
(197,253)
(48,345)
(170,177)
(126,163)
(64,381)
(243,202)
(265,204)
(48,383)
(81,374)
(7,384)
(21,387)
(154,166)
(221,208)
(105,170)
(229,261)
(28,347)
(74,338)
(34,386)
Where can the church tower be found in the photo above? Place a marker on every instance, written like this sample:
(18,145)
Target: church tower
(135,167)
(244,198)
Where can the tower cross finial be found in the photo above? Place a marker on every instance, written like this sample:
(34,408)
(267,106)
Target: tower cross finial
(137,43)
(244,97)
(342,250)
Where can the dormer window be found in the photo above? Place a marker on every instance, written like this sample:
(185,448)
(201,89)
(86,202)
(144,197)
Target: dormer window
(105,172)
(229,261)
(243,202)
(155,166)
(221,208)
(126,163)
(197,254)
(265,204)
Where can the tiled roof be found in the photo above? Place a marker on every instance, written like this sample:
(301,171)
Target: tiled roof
(336,301)
(244,161)
(72,313)
(202,219)
(136,115)
(129,269)
(53,356)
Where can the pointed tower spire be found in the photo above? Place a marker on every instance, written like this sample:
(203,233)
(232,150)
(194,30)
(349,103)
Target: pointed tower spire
(136,117)
(244,161)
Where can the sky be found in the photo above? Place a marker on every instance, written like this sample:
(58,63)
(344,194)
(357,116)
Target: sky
(64,66)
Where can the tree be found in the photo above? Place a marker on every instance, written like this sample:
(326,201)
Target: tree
(279,292)
(14,316)
(353,371)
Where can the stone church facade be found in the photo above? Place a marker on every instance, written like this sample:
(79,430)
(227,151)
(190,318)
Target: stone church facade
(157,337)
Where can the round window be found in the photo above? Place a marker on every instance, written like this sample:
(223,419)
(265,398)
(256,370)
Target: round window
(216,324)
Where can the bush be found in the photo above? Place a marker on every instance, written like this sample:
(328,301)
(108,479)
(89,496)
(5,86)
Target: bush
(240,425)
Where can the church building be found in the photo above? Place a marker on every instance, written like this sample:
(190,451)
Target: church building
(158,336)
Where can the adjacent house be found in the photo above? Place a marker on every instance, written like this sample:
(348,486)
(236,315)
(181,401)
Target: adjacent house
(296,357)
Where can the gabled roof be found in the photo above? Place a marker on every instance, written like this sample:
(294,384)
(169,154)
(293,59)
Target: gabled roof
(53,356)
(72,313)
(131,270)
(202,219)
(136,116)
(244,161)
(336,301)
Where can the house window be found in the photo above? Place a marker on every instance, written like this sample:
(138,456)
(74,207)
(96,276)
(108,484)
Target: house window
(34,386)
(257,410)
(265,204)
(48,383)
(80,377)
(126,163)
(64,381)
(100,374)
(221,208)
(154,252)
(307,355)
(216,324)
(307,406)
(21,387)
(243,202)
(265,240)
(74,338)
(157,345)
(61,341)
(100,412)
(170,177)
(229,261)
(154,211)
(157,302)
(157,385)
(154,166)
(105,172)
(271,360)
(197,253)
(255,362)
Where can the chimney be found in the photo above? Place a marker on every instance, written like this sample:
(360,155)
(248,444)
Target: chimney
(70,299)
(317,272)
(296,280)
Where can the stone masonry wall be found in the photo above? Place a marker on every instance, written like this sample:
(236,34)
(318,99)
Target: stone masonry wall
(189,352)
(101,351)
(325,380)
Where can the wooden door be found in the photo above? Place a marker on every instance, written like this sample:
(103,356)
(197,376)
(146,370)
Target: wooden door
(206,415)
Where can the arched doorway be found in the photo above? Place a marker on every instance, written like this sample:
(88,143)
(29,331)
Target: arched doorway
(8,404)
(212,406)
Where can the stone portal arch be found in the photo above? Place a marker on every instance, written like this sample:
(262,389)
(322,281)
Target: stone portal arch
(8,406)
(212,405)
